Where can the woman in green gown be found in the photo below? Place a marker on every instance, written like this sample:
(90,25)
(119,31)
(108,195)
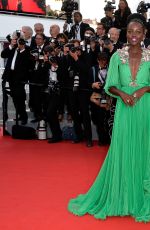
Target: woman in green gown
(122,187)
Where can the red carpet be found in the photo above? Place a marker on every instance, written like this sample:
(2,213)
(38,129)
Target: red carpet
(28,6)
(37,180)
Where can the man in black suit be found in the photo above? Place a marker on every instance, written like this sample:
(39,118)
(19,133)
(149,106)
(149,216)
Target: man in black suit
(37,78)
(78,29)
(77,64)
(16,72)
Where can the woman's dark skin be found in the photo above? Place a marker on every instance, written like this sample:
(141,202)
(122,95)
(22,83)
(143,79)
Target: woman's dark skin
(135,34)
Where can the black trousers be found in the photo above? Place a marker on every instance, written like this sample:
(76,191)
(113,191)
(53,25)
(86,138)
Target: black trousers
(99,117)
(38,101)
(52,115)
(79,109)
(18,94)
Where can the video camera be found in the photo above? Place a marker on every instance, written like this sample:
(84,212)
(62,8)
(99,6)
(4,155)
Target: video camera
(143,7)
(109,5)
(68,6)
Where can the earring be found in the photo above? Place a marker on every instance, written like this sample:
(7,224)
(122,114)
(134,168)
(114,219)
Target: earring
(142,44)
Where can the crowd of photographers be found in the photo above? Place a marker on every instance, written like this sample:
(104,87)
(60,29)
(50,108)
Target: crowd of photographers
(66,71)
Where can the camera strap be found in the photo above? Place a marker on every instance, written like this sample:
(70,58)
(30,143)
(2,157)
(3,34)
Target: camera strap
(77,28)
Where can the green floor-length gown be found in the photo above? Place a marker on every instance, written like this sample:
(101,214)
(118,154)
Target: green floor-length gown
(122,187)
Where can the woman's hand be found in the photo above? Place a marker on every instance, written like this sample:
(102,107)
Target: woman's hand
(139,93)
(127,99)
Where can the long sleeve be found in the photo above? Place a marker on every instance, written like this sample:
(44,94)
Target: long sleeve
(113,78)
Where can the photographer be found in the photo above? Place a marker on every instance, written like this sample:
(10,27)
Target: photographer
(54,77)
(121,16)
(100,101)
(109,18)
(16,73)
(37,78)
(62,39)
(143,9)
(107,46)
(78,29)
(90,45)
(100,30)
(77,83)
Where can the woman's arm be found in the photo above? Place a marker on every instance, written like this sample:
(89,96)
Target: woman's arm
(126,98)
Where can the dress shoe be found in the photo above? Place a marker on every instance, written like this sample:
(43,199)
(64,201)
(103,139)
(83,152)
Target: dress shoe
(24,122)
(19,119)
(89,143)
(54,140)
(77,140)
(35,120)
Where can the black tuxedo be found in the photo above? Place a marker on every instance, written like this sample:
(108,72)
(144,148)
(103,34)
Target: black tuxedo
(33,43)
(22,64)
(17,77)
(72,34)
(37,80)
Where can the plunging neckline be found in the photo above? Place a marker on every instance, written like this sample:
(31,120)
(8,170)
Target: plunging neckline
(134,78)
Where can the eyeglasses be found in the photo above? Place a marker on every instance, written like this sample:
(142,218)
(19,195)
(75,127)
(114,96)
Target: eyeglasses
(39,38)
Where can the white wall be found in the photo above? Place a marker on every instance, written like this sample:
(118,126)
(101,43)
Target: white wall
(95,8)
(10,23)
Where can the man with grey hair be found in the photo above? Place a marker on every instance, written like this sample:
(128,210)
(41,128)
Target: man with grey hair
(27,34)
(38,29)
(54,30)
(114,34)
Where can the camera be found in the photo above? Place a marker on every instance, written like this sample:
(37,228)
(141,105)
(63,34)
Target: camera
(69,6)
(16,34)
(60,45)
(106,40)
(89,38)
(35,53)
(52,59)
(73,48)
(143,7)
(53,41)
(109,6)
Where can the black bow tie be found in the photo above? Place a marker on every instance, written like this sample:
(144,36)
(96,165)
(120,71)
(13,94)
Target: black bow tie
(77,25)
(102,68)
